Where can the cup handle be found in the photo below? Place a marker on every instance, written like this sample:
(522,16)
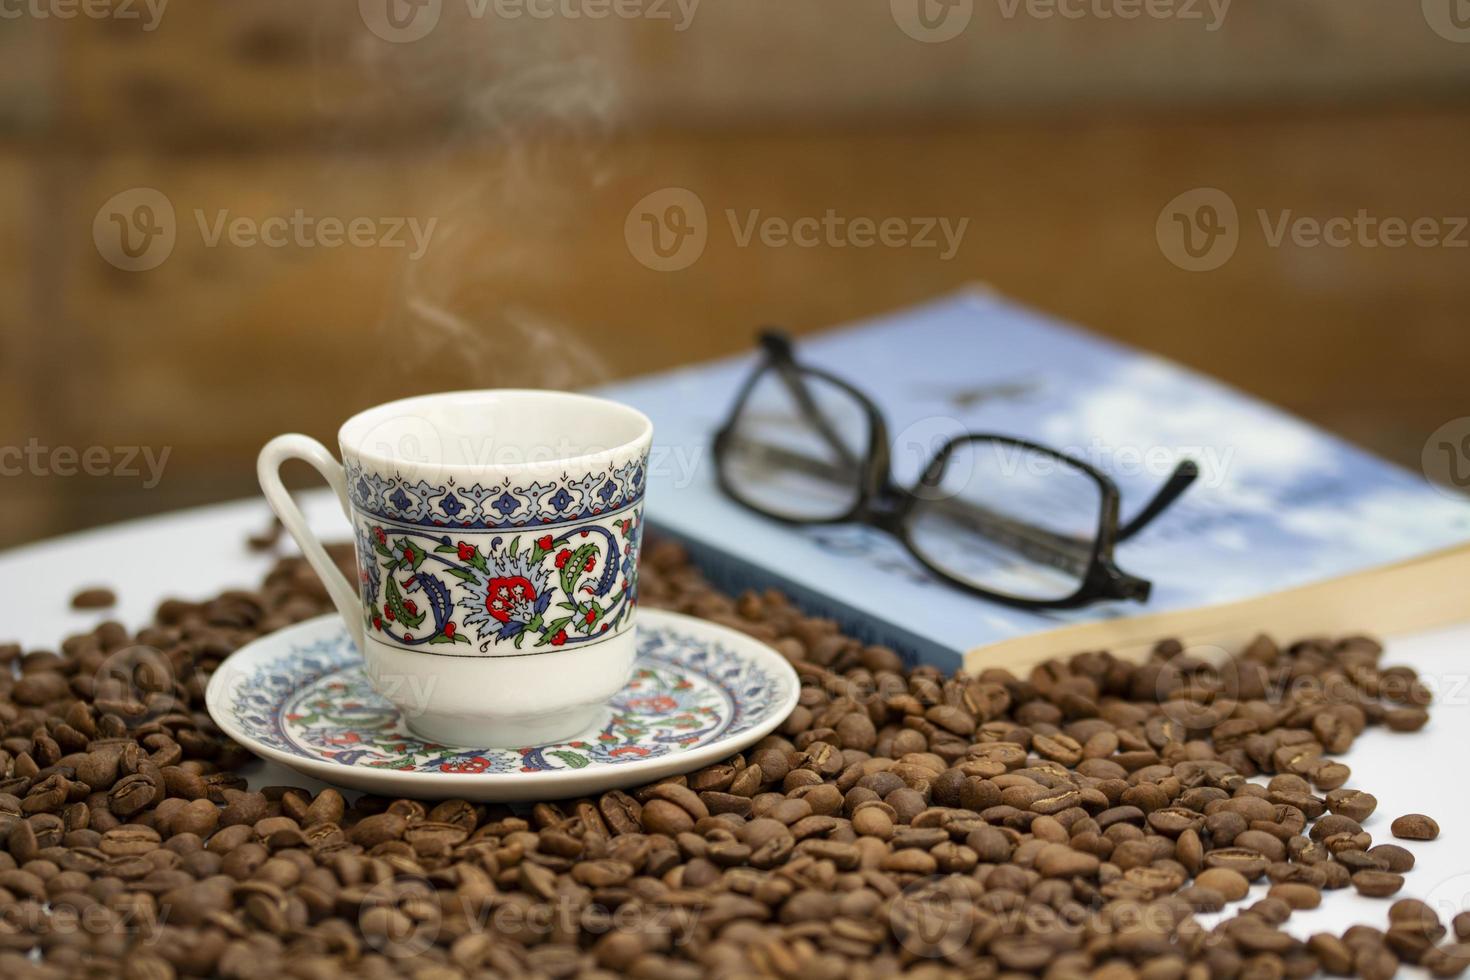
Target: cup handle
(268,469)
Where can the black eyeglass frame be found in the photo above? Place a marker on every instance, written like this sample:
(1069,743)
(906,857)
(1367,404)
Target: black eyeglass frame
(883,504)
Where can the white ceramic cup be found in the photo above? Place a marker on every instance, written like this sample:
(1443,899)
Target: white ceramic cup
(497,539)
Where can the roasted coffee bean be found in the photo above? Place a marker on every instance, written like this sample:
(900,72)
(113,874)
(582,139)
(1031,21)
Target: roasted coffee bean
(1377,884)
(377,829)
(94,598)
(1335,875)
(131,794)
(1374,961)
(1332,954)
(873,820)
(1447,961)
(1330,775)
(659,816)
(1392,857)
(199,817)
(1352,803)
(1061,861)
(1419,916)
(1058,748)
(327,807)
(682,797)
(1250,864)
(1298,896)
(620,812)
(1405,719)
(895,805)
(1414,826)
(243,808)
(129,839)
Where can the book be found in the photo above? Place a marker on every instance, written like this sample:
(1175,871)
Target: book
(1279,504)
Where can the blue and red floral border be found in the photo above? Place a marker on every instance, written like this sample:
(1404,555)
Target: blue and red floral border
(686,691)
(567,499)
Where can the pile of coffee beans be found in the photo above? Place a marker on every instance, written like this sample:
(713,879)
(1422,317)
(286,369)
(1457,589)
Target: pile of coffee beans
(1072,822)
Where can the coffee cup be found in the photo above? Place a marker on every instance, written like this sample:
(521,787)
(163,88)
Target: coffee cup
(496,536)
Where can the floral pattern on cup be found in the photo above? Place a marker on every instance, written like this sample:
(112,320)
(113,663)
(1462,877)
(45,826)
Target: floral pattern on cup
(572,498)
(529,592)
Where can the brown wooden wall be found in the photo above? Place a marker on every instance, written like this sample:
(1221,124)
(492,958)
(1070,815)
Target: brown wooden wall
(528,141)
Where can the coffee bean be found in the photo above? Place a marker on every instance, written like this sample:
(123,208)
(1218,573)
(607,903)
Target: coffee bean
(910,861)
(1069,796)
(129,839)
(1352,803)
(1058,748)
(1374,961)
(1330,775)
(198,817)
(1414,826)
(602,874)
(1334,956)
(25,884)
(1420,917)
(1447,961)
(855,731)
(681,796)
(659,816)
(1406,719)
(48,795)
(131,794)
(620,811)
(873,820)
(1061,861)
(1408,944)
(242,808)
(1335,875)
(377,829)
(1377,884)
(98,769)
(952,719)
(327,807)
(1227,881)
(824,799)
(1392,857)
(719,803)
(1248,863)
(1298,896)
(94,598)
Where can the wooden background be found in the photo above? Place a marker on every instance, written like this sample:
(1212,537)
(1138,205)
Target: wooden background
(529,140)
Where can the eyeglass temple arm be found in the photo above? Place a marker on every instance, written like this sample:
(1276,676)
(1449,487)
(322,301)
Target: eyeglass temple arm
(777,346)
(1179,481)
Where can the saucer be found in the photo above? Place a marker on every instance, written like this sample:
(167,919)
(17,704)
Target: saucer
(699,693)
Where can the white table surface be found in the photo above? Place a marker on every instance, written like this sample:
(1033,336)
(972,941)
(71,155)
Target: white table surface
(196,553)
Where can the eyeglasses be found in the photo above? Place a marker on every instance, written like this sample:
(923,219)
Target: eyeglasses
(999,517)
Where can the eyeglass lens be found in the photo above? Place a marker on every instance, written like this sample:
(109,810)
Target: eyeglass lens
(796,446)
(1009,519)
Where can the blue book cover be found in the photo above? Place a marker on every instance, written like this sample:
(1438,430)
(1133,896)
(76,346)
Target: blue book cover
(1278,503)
